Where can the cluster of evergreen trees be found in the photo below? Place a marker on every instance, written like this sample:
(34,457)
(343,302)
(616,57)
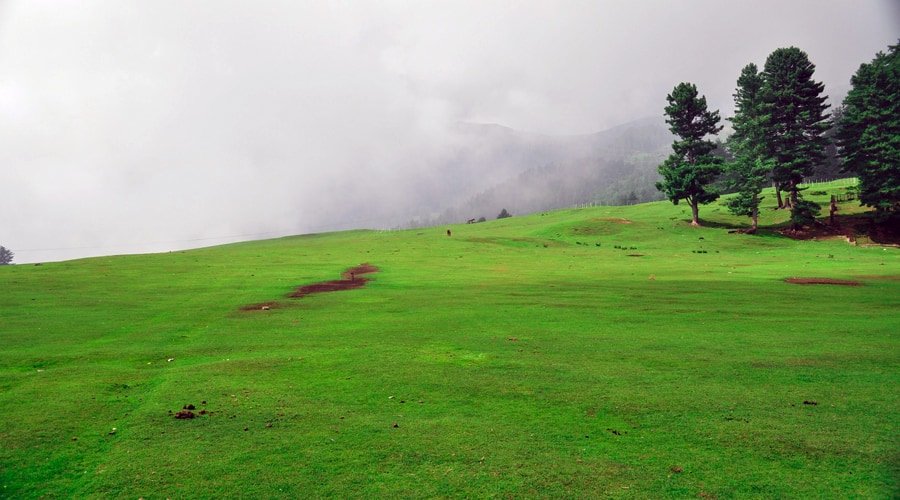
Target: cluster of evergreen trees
(781,133)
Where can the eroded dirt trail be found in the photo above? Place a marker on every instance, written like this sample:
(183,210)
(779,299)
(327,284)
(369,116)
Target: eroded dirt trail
(821,281)
(351,278)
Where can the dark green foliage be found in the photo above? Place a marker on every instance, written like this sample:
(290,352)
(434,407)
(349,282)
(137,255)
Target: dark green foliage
(481,219)
(869,135)
(748,169)
(504,214)
(804,213)
(6,256)
(751,178)
(688,172)
(748,120)
(794,117)
(830,168)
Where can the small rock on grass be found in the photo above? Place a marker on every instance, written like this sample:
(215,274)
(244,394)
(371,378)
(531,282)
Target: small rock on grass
(677,469)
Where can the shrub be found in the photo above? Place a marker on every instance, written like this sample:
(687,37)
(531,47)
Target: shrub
(6,256)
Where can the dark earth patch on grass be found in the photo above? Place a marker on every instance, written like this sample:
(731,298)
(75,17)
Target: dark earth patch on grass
(350,279)
(821,281)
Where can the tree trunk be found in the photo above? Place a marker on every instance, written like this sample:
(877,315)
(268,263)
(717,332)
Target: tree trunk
(778,194)
(695,214)
(794,194)
(755,218)
(832,210)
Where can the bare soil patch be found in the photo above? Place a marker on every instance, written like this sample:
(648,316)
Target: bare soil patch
(822,281)
(855,229)
(350,279)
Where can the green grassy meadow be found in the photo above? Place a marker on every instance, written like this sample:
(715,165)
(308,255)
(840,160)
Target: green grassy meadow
(521,357)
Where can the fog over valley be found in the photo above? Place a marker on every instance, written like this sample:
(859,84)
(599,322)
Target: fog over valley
(154,126)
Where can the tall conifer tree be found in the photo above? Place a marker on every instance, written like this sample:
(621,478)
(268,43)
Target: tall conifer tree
(869,134)
(749,167)
(795,120)
(691,168)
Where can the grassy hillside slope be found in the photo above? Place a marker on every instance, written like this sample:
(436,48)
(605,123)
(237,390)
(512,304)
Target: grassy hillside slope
(526,356)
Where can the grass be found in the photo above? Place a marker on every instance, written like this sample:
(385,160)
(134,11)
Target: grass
(513,360)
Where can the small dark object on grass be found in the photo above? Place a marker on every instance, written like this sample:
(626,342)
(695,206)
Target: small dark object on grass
(810,402)
(203,412)
(246,428)
(677,469)
(448,232)
(184,414)
(513,339)
(203,402)
(189,407)
(268,425)
(396,425)
(617,433)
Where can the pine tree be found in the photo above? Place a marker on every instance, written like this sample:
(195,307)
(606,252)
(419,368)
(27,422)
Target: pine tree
(749,169)
(795,118)
(869,134)
(691,168)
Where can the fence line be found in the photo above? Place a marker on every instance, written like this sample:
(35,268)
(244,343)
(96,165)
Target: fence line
(840,181)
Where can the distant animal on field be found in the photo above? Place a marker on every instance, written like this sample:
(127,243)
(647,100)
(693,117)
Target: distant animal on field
(448,232)
(470,221)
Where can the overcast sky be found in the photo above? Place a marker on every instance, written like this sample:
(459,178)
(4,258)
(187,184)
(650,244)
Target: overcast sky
(131,126)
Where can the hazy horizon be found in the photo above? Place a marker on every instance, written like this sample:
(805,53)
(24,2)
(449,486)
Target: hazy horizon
(141,127)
